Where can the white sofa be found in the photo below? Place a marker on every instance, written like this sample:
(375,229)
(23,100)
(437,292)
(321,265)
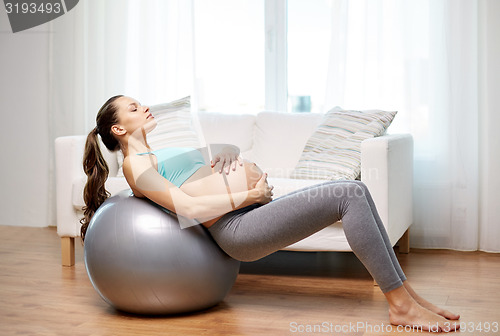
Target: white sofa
(275,142)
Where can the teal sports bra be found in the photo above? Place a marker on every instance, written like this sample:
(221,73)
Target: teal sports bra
(177,164)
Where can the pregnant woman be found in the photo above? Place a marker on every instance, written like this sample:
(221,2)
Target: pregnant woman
(231,197)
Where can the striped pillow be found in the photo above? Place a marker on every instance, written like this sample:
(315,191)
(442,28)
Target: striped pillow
(333,152)
(174,127)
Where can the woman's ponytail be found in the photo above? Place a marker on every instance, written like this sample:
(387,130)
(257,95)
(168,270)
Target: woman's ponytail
(96,169)
(94,164)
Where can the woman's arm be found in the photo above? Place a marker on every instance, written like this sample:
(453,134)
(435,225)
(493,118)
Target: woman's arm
(147,181)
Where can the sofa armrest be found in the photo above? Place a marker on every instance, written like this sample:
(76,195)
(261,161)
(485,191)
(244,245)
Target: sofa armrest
(68,156)
(387,171)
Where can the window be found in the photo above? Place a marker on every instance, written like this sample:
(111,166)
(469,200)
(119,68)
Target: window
(308,49)
(229,55)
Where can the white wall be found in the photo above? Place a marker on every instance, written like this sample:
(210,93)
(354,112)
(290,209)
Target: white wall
(24,83)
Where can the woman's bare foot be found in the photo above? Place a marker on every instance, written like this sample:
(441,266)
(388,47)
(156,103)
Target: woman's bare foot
(426,304)
(419,317)
(406,311)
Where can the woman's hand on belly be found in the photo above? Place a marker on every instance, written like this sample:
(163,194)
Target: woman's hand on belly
(228,158)
(245,178)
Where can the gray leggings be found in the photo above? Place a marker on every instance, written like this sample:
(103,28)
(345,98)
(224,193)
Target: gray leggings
(256,231)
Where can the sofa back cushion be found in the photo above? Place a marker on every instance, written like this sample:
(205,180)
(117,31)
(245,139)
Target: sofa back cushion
(280,138)
(235,129)
(274,140)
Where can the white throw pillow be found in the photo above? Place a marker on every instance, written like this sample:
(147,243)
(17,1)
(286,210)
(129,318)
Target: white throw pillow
(333,152)
(174,127)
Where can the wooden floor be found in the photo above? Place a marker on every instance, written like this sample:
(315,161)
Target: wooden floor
(278,295)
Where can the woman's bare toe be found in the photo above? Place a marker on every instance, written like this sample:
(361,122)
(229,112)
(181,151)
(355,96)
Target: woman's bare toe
(419,317)
(448,315)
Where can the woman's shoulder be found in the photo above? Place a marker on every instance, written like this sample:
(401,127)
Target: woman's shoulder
(138,163)
(134,166)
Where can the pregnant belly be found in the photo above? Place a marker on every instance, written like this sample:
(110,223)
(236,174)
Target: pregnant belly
(206,181)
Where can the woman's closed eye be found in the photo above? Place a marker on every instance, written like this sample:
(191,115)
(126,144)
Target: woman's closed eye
(134,106)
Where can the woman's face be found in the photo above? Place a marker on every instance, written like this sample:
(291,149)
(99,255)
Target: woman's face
(132,117)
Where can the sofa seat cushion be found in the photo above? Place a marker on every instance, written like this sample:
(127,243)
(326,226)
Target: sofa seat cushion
(114,185)
(326,239)
(330,238)
(283,186)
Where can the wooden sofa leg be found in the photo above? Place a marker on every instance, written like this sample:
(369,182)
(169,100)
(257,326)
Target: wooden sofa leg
(68,251)
(404,242)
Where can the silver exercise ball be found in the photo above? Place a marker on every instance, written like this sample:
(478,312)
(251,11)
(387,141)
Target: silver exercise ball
(140,261)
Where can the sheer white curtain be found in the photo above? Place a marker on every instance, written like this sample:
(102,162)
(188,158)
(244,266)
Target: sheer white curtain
(159,54)
(143,49)
(419,57)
